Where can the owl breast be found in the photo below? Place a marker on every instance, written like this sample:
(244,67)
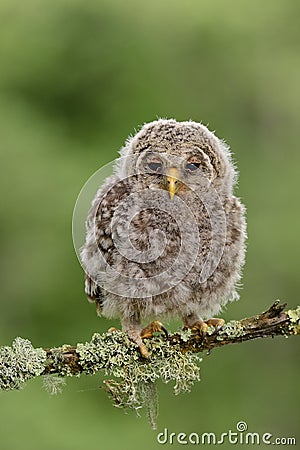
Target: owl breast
(145,235)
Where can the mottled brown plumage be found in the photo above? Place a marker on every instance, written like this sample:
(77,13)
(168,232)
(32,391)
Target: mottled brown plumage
(165,234)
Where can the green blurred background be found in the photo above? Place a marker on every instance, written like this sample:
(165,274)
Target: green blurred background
(76,78)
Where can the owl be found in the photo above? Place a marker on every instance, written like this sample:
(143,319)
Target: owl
(165,236)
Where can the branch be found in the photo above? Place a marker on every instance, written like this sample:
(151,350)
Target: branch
(270,323)
(174,358)
(273,322)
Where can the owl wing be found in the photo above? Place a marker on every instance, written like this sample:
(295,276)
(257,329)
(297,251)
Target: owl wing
(95,253)
(236,227)
(233,257)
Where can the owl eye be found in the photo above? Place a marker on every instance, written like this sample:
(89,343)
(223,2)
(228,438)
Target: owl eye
(192,166)
(155,166)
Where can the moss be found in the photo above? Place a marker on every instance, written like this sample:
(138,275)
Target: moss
(19,363)
(294,315)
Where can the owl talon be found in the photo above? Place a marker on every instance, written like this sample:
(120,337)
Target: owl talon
(147,332)
(216,323)
(200,326)
(153,327)
(143,350)
(112,330)
(203,326)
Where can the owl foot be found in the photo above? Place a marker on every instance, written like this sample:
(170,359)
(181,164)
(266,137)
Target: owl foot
(147,332)
(112,330)
(143,351)
(135,338)
(136,335)
(153,327)
(202,326)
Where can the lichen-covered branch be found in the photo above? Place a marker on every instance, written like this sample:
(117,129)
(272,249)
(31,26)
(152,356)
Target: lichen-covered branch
(93,356)
(175,358)
(273,322)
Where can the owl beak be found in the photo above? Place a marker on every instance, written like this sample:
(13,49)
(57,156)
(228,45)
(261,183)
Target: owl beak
(172,182)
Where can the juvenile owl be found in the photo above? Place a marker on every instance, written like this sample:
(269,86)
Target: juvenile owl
(165,234)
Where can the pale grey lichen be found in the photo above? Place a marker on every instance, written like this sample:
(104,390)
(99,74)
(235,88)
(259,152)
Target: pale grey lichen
(118,356)
(231,330)
(210,330)
(148,391)
(53,384)
(294,315)
(19,363)
(185,334)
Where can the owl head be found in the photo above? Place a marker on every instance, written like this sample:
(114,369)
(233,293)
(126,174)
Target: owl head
(178,155)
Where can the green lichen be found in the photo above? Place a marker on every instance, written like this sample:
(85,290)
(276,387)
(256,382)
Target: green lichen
(19,363)
(210,330)
(148,392)
(294,315)
(117,355)
(53,384)
(185,334)
(231,330)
